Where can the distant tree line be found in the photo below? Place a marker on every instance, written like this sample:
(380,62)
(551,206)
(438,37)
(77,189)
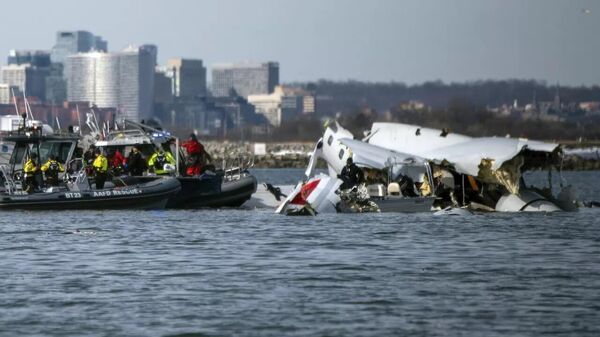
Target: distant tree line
(344,96)
(463,117)
(460,107)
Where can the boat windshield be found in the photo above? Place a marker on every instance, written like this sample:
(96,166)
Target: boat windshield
(60,149)
(18,154)
(146,149)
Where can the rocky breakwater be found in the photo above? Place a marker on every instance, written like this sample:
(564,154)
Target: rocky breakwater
(296,155)
(260,155)
(582,159)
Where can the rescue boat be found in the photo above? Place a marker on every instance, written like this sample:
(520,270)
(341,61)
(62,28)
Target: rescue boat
(75,190)
(224,187)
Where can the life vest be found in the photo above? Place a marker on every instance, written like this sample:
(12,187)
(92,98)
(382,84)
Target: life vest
(100,164)
(160,161)
(53,166)
(53,169)
(29,168)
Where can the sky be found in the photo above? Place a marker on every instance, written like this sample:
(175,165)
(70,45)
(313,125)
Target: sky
(372,40)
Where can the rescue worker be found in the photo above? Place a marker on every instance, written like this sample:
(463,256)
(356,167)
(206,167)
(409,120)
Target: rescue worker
(158,161)
(88,159)
(100,166)
(51,170)
(116,162)
(135,162)
(89,155)
(30,169)
(351,175)
(193,169)
(193,146)
(197,155)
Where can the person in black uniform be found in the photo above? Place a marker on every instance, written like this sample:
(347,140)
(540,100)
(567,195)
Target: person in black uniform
(136,165)
(351,175)
(89,155)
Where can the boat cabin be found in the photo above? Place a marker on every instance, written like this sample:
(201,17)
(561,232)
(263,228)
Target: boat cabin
(62,146)
(147,141)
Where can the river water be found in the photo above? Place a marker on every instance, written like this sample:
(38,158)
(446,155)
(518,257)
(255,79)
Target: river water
(253,273)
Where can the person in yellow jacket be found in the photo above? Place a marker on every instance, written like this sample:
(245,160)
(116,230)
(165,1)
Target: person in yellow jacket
(100,166)
(30,169)
(51,170)
(158,161)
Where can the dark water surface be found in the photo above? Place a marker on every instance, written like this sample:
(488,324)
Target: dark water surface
(253,273)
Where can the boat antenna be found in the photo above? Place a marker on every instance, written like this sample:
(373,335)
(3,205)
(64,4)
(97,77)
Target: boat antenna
(78,118)
(95,119)
(90,123)
(27,107)
(15,101)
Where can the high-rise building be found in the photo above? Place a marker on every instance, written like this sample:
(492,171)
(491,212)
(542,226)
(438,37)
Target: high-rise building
(6,93)
(73,42)
(56,85)
(163,86)
(28,78)
(278,106)
(69,43)
(123,80)
(188,77)
(27,70)
(136,81)
(244,79)
(37,58)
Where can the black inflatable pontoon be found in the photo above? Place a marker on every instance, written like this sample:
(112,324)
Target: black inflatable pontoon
(147,195)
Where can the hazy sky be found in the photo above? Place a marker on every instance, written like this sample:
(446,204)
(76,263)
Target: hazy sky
(374,40)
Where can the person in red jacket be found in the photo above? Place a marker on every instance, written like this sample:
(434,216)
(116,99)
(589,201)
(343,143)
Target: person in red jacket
(193,146)
(116,161)
(197,155)
(194,170)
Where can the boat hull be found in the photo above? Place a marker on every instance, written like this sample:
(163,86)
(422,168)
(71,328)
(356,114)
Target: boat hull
(148,195)
(206,191)
(200,193)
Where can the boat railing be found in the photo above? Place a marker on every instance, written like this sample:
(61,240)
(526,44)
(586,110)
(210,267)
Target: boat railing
(11,185)
(77,181)
(234,168)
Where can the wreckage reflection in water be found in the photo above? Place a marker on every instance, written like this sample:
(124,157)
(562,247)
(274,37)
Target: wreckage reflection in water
(240,272)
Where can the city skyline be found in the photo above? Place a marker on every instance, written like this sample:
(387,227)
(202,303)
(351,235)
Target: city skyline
(404,41)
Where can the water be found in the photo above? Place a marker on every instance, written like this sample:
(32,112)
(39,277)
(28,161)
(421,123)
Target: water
(252,273)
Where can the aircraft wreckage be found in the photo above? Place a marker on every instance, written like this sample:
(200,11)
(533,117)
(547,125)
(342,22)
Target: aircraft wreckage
(409,168)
